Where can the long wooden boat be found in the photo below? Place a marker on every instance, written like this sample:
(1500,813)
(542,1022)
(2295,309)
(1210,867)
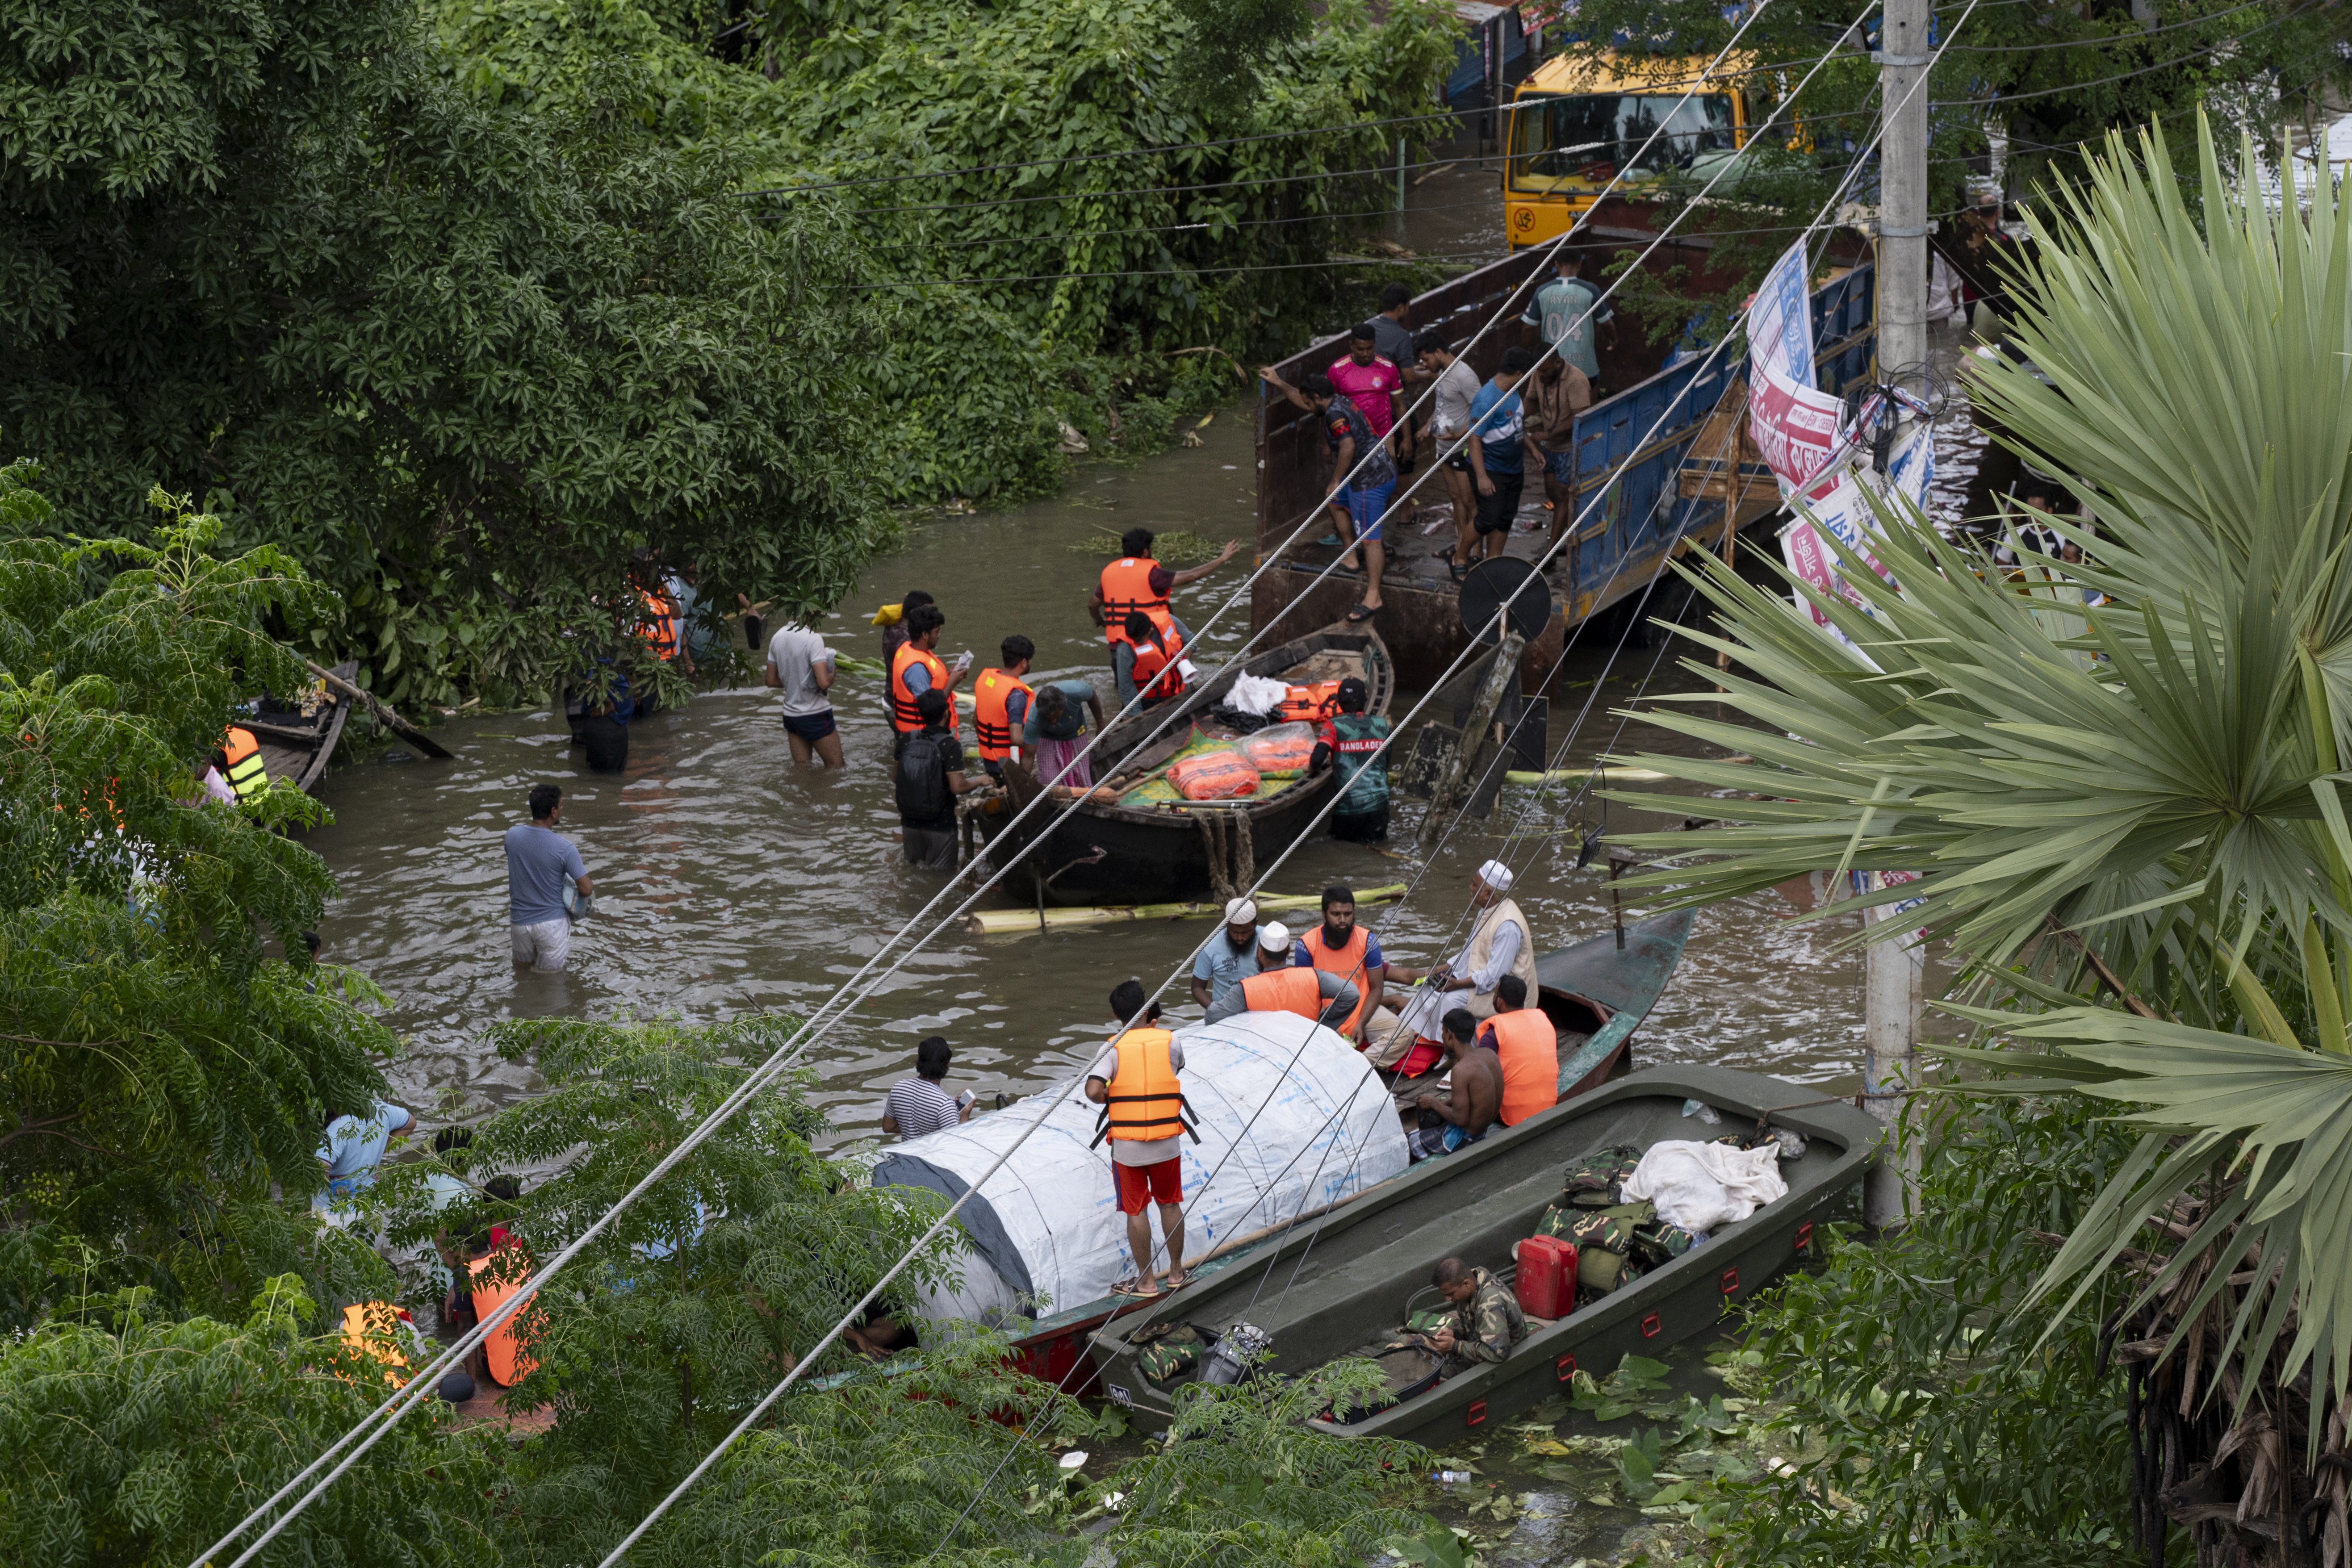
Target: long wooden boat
(1596,992)
(1107,852)
(1337,1284)
(296,744)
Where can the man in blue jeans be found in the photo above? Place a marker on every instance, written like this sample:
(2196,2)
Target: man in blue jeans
(1363,498)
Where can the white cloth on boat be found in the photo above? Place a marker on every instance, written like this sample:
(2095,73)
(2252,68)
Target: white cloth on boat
(1256,695)
(1291,1116)
(1699,1186)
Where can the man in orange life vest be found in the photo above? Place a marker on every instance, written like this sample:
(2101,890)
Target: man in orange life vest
(1142,1098)
(1001,700)
(1136,582)
(1349,951)
(916,668)
(1322,995)
(1150,661)
(1524,1041)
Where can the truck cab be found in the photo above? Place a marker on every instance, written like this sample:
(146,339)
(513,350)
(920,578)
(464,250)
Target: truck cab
(1579,123)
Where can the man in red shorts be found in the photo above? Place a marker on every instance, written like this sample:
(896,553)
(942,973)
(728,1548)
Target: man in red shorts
(1143,1115)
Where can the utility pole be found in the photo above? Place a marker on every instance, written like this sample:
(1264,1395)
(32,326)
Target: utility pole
(1903,194)
(1892,968)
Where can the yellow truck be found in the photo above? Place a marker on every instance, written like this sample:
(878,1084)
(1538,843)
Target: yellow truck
(1578,123)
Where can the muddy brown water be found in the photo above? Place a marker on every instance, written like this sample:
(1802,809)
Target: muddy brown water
(727,879)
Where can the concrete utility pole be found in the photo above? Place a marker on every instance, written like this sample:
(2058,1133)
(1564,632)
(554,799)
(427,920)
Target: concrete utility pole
(1892,968)
(1903,195)
(1892,973)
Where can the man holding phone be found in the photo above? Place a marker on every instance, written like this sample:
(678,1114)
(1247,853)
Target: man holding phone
(917,1105)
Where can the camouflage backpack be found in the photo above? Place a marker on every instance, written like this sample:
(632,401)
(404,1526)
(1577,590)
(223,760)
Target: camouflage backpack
(1598,1271)
(1173,1354)
(1592,1182)
(1610,1229)
(1659,1243)
(1428,1320)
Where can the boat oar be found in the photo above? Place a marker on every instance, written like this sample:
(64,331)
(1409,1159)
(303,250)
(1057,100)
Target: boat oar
(384,715)
(1015,922)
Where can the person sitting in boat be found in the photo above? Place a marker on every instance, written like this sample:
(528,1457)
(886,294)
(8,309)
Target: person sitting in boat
(1498,945)
(1486,1321)
(1225,957)
(1527,1048)
(1321,995)
(1469,1108)
(1150,661)
(1349,951)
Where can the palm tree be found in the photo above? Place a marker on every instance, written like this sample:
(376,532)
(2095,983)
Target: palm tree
(2157,780)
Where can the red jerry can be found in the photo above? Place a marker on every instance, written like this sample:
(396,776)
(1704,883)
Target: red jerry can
(1547,1278)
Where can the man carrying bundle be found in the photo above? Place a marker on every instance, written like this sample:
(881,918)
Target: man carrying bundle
(1321,995)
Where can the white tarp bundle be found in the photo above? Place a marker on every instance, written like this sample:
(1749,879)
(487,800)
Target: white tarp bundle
(1291,1118)
(1699,1186)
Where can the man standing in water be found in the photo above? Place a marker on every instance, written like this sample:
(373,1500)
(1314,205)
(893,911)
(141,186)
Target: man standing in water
(541,862)
(801,667)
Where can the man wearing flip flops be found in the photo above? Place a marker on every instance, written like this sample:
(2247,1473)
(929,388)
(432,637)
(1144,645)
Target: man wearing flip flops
(1142,1098)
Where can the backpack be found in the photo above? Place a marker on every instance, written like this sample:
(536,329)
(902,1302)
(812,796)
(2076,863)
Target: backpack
(921,778)
(1594,1181)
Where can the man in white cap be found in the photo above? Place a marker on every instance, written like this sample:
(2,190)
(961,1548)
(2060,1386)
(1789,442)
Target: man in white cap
(1498,945)
(1229,955)
(1322,995)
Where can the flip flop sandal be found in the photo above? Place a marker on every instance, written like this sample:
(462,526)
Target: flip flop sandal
(1459,571)
(1136,1289)
(1364,613)
(1176,1284)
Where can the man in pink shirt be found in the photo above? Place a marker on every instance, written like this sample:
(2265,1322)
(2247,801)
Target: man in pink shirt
(1373,385)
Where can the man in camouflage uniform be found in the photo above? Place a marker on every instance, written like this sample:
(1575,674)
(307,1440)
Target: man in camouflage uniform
(1486,1320)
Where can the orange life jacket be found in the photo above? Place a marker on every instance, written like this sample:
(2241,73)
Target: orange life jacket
(366,1324)
(1146,1098)
(662,611)
(1157,674)
(1127,586)
(1313,704)
(903,717)
(508,1362)
(991,723)
(1529,1048)
(245,773)
(1346,961)
(1289,990)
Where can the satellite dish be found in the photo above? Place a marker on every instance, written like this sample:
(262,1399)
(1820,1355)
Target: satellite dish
(1489,583)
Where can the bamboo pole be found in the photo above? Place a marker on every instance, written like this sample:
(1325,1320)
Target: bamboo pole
(1018,923)
(1615,775)
(392,722)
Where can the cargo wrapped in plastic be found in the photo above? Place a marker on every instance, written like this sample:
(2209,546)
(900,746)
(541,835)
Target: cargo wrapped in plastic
(1215,775)
(1283,749)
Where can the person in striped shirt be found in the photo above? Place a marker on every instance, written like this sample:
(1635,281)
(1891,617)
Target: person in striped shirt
(917,1105)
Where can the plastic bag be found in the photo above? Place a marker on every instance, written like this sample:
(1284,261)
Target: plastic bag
(1215,775)
(1284,749)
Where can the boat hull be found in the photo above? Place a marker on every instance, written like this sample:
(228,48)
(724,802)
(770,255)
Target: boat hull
(1356,1273)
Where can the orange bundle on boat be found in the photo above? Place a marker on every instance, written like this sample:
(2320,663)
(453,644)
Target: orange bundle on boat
(1283,749)
(1213,776)
(1310,704)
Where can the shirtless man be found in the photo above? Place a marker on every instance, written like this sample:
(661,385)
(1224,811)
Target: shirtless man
(1477,1096)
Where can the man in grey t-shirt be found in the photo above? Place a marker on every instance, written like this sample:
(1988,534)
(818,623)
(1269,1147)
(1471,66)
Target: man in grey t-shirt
(1457,388)
(801,667)
(541,866)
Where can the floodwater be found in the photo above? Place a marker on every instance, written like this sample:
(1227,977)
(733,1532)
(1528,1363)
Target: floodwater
(728,880)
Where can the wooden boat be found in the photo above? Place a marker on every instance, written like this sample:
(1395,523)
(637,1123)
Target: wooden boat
(1335,1285)
(1105,852)
(296,744)
(1596,992)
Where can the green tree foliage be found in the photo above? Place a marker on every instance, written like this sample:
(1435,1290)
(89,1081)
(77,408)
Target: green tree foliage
(1033,255)
(137,1437)
(461,364)
(159,1070)
(1938,1423)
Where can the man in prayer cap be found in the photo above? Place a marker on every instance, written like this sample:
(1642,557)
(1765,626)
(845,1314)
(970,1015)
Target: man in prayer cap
(1499,945)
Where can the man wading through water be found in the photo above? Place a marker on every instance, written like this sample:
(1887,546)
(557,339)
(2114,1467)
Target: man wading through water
(927,774)
(1142,1098)
(1351,743)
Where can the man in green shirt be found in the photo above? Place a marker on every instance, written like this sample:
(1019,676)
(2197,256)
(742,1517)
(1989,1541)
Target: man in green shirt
(1351,742)
(1567,311)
